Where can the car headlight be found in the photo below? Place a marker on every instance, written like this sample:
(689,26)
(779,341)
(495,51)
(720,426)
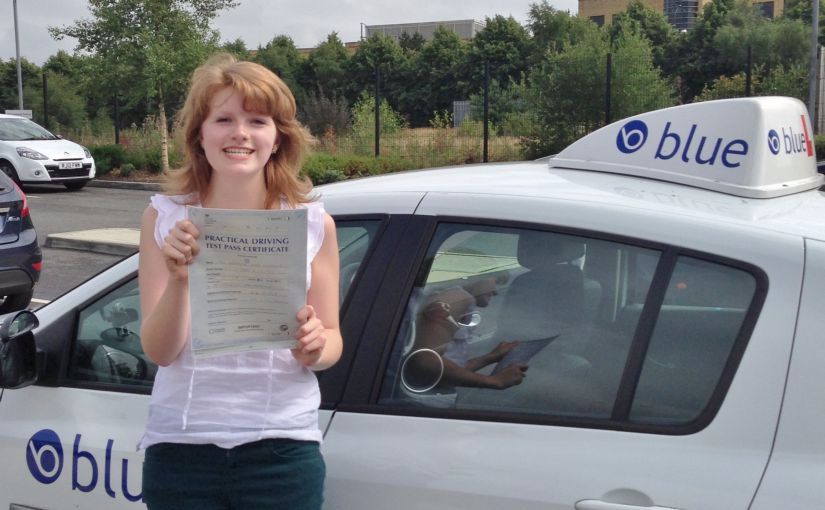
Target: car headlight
(25,152)
(86,152)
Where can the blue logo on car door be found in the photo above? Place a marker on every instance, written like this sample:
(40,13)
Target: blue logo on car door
(44,456)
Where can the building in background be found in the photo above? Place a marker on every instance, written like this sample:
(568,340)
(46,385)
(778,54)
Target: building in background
(679,13)
(465,29)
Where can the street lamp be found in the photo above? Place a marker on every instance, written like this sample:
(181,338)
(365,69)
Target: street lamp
(17,47)
(812,73)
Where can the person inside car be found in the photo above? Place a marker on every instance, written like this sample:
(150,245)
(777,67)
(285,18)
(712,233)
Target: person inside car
(444,327)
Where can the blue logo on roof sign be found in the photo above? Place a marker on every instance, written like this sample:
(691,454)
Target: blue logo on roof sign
(44,456)
(773,142)
(631,136)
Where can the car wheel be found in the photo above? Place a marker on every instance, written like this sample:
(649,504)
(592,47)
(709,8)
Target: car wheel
(15,302)
(74,186)
(9,170)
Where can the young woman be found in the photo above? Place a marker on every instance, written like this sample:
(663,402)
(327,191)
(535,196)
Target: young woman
(237,430)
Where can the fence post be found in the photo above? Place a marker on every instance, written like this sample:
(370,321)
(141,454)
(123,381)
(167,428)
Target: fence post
(608,72)
(377,111)
(45,101)
(748,72)
(117,120)
(486,110)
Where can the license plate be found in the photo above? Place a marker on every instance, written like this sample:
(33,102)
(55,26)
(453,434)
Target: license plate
(69,165)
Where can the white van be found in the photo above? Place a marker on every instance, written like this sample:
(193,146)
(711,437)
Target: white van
(662,277)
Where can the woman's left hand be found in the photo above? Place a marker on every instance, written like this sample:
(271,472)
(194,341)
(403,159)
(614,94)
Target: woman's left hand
(310,337)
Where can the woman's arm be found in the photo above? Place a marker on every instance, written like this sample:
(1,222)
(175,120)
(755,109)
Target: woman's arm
(164,296)
(320,334)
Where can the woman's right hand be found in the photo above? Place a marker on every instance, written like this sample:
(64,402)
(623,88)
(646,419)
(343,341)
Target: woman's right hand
(180,247)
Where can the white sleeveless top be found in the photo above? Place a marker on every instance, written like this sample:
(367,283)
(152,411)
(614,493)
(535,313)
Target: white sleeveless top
(233,399)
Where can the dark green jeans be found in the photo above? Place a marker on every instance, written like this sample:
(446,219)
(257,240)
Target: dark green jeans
(272,474)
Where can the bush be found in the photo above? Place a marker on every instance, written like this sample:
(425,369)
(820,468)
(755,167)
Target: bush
(819,146)
(323,114)
(325,168)
(149,159)
(127,169)
(107,157)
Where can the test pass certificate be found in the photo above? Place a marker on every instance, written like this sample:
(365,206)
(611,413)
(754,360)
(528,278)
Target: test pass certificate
(248,281)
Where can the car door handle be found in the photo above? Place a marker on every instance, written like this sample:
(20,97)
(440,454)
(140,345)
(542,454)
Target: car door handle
(597,504)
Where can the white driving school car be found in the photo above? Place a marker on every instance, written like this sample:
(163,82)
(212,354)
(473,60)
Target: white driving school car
(655,290)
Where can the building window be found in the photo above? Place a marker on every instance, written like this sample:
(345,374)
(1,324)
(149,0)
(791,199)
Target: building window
(764,8)
(598,20)
(681,13)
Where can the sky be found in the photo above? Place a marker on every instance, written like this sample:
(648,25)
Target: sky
(256,22)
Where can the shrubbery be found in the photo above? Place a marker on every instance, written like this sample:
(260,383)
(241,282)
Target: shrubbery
(326,168)
(108,157)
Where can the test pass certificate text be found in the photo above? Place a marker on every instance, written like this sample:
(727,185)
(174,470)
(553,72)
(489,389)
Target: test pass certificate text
(248,281)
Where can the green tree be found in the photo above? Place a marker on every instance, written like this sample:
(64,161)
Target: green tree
(643,20)
(363,123)
(636,84)
(67,106)
(781,42)
(147,48)
(377,52)
(800,10)
(554,30)
(325,70)
(434,78)
(281,57)
(506,45)
(696,52)
(30,74)
(410,43)
(567,91)
(237,48)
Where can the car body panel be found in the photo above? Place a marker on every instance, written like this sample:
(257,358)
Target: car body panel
(437,468)
(795,477)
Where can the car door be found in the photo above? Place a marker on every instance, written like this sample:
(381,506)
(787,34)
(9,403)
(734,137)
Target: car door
(70,441)
(654,368)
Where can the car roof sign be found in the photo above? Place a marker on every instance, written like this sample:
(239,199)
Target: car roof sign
(759,147)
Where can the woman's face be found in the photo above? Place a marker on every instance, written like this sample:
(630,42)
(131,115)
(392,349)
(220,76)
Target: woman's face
(234,140)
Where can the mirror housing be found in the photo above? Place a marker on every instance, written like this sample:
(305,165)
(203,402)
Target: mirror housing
(18,351)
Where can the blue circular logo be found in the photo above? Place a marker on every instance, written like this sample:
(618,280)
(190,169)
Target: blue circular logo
(773,141)
(631,136)
(44,456)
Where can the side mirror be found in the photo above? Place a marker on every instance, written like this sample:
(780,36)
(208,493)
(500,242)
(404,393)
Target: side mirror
(18,352)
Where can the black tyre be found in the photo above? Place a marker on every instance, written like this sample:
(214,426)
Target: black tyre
(15,302)
(74,186)
(9,170)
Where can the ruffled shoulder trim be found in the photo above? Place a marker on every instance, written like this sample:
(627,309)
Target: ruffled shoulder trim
(315,227)
(170,208)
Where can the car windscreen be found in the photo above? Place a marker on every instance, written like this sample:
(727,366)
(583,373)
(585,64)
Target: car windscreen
(23,129)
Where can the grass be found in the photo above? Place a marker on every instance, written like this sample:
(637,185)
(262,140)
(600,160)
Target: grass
(405,149)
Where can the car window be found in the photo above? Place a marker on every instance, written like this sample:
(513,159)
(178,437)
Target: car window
(22,129)
(107,346)
(354,239)
(542,323)
(704,308)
